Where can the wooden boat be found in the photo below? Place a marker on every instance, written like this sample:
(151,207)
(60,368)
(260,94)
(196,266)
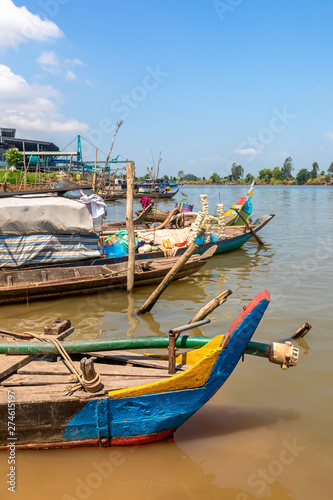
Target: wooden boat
(139,402)
(160,195)
(55,282)
(231,217)
(112,227)
(112,196)
(236,237)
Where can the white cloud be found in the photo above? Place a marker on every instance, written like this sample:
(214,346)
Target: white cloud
(248,151)
(90,84)
(211,158)
(329,136)
(78,62)
(70,75)
(32,107)
(18,25)
(55,65)
(50,62)
(48,59)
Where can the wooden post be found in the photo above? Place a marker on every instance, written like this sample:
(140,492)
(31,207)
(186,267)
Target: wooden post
(69,168)
(130,168)
(254,234)
(213,304)
(149,304)
(25,170)
(95,172)
(302,331)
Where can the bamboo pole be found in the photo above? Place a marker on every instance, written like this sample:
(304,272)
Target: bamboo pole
(69,168)
(25,170)
(254,234)
(119,124)
(213,304)
(150,302)
(95,172)
(129,226)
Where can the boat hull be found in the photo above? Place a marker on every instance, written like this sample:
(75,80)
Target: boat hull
(36,289)
(155,194)
(138,415)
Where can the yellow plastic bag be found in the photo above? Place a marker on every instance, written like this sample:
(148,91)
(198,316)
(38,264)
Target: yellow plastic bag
(166,243)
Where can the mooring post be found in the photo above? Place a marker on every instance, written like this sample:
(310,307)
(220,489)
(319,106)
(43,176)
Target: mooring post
(95,172)
(130,169)
(172,353)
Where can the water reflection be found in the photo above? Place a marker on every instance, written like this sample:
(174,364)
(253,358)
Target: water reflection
(160,471)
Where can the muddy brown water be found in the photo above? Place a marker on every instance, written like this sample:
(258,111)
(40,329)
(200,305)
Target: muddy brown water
(267,434)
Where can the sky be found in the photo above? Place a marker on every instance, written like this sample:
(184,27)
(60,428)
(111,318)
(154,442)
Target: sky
(205,82)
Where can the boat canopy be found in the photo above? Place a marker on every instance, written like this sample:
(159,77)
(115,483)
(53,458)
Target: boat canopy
(36,214)
(45,229)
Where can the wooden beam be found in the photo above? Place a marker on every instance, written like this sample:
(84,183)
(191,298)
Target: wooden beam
(254,234)
(213,304)
(149,304)
(130,169)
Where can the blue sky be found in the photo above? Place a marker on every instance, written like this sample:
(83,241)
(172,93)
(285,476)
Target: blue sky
(205,82)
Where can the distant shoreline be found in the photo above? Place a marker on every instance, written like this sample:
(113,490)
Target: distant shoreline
(203,183)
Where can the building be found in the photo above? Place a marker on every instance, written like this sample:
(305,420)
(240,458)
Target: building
(8,140)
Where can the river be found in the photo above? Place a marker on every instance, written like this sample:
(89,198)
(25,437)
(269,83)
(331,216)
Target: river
(267,434)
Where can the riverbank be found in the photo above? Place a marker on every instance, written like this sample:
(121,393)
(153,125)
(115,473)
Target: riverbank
(320,181)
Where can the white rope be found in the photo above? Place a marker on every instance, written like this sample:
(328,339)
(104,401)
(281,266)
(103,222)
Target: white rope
(88,385)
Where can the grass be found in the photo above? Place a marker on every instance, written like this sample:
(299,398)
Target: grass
(17,176)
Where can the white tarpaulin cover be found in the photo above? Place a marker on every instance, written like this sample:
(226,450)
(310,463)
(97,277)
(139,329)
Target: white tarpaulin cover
(40,214)
(44,230)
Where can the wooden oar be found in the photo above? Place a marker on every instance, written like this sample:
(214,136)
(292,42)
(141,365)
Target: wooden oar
(254,234)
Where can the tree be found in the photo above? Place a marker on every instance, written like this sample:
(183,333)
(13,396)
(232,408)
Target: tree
(322,172)
(181,174)
(288,167)
(204,178)
(190,177)
(215,178)
(249,178)
(165,177)
(330,168)
(265,175)
(303,176)
(13,157)
(277,174)
(314,171)
(237,171)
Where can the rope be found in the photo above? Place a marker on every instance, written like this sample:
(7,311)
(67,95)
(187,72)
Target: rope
(89,385)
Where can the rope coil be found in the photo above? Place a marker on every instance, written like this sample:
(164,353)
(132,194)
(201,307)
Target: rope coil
(88,385)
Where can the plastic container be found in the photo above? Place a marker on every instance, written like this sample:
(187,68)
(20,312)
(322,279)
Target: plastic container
(214,237)
(199,240)
(114,251)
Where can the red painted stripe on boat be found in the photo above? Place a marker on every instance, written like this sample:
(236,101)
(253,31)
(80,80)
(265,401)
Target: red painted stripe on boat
(246,310)
(146,439)
(89,443)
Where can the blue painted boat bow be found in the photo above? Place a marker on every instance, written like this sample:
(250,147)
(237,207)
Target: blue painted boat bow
(152,417)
